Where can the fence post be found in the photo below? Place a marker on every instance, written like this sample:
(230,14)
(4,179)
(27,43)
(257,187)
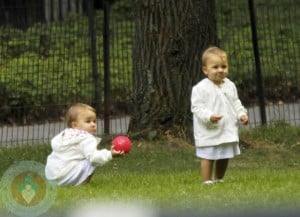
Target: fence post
(107,95)
(92,33)
(259,79)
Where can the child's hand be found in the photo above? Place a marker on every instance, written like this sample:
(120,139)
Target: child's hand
(116,153)
(244,119)
(215,118)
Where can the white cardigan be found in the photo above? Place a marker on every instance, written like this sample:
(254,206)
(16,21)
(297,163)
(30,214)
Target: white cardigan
(69,149)
(207,99)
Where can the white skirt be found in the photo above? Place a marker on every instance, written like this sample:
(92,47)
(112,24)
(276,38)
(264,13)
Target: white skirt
(222,151)
(79,174)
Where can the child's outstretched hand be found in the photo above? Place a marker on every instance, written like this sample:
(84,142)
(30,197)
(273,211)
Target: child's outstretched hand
(244,119)
(215,118)
(116,153)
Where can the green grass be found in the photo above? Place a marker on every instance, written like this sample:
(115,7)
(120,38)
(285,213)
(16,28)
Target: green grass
(166,173)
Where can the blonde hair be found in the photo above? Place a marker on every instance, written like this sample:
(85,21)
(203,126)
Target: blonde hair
(74,110)
(213,51)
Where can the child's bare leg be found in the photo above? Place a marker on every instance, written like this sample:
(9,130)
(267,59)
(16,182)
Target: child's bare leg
(221,167)
(206,169)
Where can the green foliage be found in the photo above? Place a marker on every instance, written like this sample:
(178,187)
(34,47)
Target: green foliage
(39,69)
(123,10)
(277,27)
(50,64)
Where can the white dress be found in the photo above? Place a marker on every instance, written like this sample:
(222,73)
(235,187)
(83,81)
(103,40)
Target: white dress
(74,157)
(222,151)
(216,140)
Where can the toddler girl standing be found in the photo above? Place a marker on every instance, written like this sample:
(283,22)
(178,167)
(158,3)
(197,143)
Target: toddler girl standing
(216,111)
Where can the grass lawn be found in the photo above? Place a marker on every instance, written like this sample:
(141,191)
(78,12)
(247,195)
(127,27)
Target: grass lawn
(166,174)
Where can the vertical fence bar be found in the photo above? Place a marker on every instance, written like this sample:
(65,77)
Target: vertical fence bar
(92,34)
(260,85)
(107,94)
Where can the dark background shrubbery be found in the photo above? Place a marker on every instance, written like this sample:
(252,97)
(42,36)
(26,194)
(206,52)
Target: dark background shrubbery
(47,66)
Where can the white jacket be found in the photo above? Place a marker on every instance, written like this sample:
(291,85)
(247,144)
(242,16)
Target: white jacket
(207,99)
(69,148)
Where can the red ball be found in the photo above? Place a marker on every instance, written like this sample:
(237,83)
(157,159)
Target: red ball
(122,143)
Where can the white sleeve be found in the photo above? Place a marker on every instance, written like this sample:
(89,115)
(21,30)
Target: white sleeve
(95,156)
(198,104)
(239,108)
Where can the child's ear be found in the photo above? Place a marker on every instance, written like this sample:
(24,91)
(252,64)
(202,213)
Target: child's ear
(204,70)
(74,124)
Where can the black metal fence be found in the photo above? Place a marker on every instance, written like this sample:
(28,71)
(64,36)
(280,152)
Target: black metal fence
(262,38)
(66,51)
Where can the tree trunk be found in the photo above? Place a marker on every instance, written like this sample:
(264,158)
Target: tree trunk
(169,38)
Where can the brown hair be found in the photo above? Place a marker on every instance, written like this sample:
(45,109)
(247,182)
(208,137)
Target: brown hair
(73,112)
(213,51)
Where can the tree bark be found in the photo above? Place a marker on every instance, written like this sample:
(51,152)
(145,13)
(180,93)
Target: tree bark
(170,36)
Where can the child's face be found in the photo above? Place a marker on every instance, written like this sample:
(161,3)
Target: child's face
(86,121)
(216,68)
